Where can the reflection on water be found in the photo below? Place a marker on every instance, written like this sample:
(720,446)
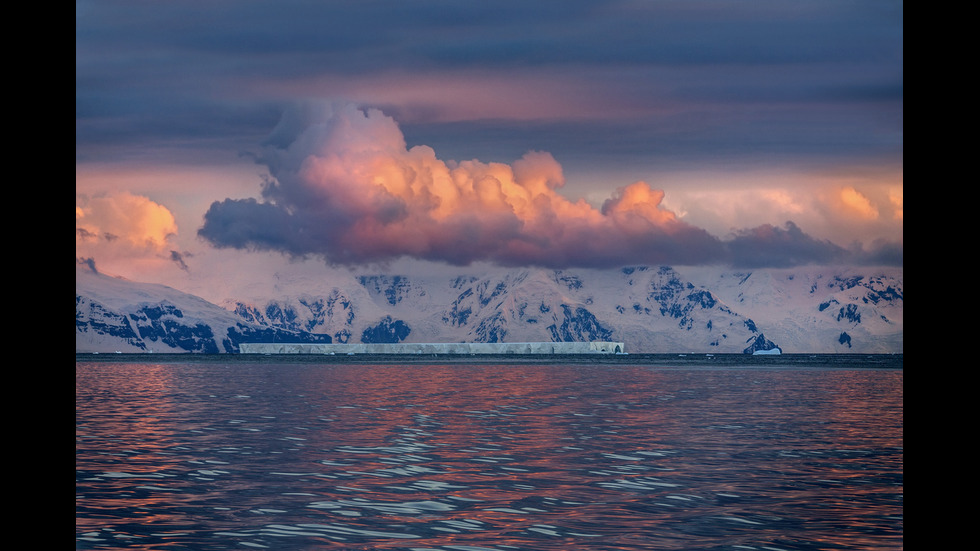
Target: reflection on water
(471,457)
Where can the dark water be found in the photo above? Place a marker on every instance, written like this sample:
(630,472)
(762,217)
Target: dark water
(486,457)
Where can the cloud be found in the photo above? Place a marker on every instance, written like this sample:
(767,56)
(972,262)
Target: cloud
(753,78)
(345,186)
(87,263)
(131,220)
(768,245)
(178,259)
(858,203)
(123,229)
(896,198)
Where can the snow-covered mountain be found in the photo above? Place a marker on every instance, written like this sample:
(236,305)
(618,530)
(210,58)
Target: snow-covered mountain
(651,309)
(113,314)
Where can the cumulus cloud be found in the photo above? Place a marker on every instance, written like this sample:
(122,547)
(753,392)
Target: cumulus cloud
(858,203)
(344,185)
(896,197)
(133,220)
(121,229)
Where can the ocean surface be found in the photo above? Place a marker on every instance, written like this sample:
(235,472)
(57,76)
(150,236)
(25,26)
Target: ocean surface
(742,454)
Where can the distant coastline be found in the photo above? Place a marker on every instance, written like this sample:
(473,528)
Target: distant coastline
(873,361)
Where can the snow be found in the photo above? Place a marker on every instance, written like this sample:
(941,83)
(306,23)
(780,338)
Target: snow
(651,309)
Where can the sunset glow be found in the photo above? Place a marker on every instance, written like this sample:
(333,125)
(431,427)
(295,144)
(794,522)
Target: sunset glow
(442,275)
(589,135)
(136,221)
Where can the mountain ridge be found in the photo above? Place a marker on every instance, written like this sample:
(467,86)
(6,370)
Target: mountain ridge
(652,309)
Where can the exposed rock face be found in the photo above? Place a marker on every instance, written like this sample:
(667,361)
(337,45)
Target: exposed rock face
(651,309)
(761,344)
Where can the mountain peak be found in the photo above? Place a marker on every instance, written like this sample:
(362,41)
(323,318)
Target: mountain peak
(652,309)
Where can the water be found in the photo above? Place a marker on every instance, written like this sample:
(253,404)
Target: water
(291,456)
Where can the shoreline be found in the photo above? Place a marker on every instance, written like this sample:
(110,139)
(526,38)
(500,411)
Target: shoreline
(864,361)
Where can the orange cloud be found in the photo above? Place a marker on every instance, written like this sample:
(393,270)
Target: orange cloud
(354,166)
(858,203)
(345,186)
(637,206)
(895,195)
(123,218)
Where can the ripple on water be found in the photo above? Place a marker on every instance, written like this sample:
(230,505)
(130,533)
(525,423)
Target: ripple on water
(385,507)
(501,459)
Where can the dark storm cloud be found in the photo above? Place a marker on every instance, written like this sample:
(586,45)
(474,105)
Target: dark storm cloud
(213,73)
(771,246)
(600,85)
(249,224)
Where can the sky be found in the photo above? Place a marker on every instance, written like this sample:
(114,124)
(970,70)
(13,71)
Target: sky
(232,137)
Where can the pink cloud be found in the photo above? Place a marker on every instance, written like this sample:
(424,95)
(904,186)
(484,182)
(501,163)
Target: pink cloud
(132,220)
(346,187)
